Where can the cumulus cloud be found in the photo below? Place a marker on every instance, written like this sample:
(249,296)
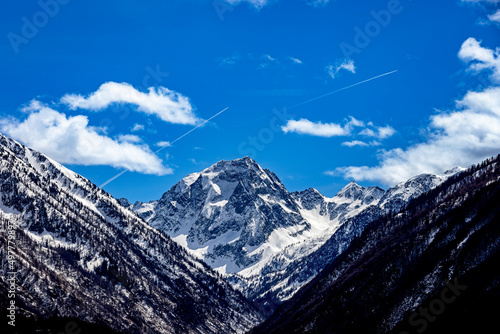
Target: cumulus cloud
(341,65)
(380,132)
(306,127)
(457,138)
(71,140)
(495,17)
(480,58)
(166,104)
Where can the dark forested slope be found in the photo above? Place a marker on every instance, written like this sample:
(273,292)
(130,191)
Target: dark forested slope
(433,268)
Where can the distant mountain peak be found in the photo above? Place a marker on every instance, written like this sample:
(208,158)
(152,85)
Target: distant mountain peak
(240,162)
(351,191)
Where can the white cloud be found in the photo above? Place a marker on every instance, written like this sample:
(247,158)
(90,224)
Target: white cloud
(355,143)
(295,60)
(355,122)
(385,132)
(486,5)
(268,58)
(457,138)
(480,58)
(368,133)
(341,65)
(137,127)
(129,138)
(163,144)
(495,17)
(361,143)
(168,105)
(71,140)
(306,127)
(381,132)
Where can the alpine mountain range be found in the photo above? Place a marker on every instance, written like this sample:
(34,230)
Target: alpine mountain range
(228,247)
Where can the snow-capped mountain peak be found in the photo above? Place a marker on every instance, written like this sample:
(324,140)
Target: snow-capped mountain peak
(225,213)
(240,219)
(351,191)
(83,254)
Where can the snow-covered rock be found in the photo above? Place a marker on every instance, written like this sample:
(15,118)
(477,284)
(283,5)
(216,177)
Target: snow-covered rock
(240,219)
(80,253)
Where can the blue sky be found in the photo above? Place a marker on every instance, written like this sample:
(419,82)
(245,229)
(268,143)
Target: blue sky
(106,86)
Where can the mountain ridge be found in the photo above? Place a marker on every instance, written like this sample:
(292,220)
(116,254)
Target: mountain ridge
(240,195)
(80,254)
(397,276)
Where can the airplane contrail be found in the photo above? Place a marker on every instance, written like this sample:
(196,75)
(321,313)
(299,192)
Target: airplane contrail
(341,89)
(200,125)
(170,144)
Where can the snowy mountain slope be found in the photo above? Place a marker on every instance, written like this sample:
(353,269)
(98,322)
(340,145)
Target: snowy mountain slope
(226,213)
(240,219)
(432,267)
(280,282)
(80,253)
(399,195)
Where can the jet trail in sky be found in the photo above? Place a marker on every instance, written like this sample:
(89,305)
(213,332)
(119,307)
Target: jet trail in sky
(341,89)
(170,144)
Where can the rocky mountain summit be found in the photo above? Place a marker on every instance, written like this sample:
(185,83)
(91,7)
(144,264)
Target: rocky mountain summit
(241,220)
